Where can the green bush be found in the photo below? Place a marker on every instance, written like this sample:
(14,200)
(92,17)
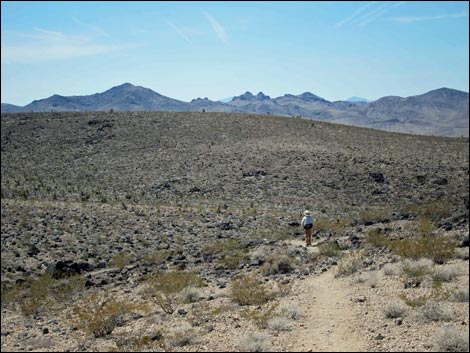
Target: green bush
(248,290)
(437,248)
(278,263)
(377,239)
(261,315)
(99,316)
(42,293)
(167,287)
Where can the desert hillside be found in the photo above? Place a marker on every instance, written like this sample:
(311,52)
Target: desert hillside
(179,231)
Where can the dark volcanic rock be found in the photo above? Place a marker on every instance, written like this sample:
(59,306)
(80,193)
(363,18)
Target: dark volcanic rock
(67,268)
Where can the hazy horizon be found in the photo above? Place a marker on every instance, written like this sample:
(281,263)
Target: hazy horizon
(186,50)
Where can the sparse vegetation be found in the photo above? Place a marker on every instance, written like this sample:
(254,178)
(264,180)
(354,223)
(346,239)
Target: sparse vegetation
(100,316)
(142,205)
(436,311)
(255,342)
(437,248)
(451,339)
(395,309)
(350,263)
(166,288)
(249,290)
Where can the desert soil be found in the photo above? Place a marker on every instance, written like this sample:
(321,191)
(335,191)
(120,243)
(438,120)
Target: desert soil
(330,323)
(116,198)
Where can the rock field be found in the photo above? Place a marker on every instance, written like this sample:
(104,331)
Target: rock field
(97,207)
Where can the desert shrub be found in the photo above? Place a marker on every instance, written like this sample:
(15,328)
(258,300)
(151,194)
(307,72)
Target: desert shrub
(414,272)
(437,248)
(391,269)
(156,257)
(461,295)
(336,225)
(42,293)
(278,263)
(445,273)
(329,249)
(190,294)
(432,209)
(279,323)
(371,278)
(374,215)
(424,226)
(222,247)
(395,309)
(350,264)
(377,239)
(166,288)
(232,260)
(451,339)
(100,316)
(30,296)
(284,288)
(261,314)
(121,260)
(248,290)
(291,311)
(435,311)
(182,334)
(438,293)
(143,343)
(255,342)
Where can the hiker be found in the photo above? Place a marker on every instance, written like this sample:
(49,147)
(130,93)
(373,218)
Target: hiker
(307,224)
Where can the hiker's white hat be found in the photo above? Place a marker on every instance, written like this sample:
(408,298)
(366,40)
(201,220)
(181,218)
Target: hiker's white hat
(307,213)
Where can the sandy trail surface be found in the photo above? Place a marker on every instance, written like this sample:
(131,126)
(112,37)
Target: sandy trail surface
(330,323)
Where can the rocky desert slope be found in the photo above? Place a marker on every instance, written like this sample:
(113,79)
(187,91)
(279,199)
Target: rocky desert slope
(171,231)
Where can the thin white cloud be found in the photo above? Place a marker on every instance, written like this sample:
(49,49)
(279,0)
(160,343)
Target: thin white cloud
(44,45)
(178,30)
(377,14)
(428,18)
(347,19)
(50,34)
(95,29)
(368,13)
(217,27)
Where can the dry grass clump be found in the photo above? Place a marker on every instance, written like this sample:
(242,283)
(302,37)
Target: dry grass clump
(461,295)
(438,248)
(182,334)
(279,323)
(291,311)
(391,269)
(395,309)
(451,339)
(446,273)
(248,290)
(278,263)
(191,294)
(371,278)
(166,288)
(42,293)
(329,249)
(350,264)
(255,342)
(415,272)
(435,311)
(100,316)
(143,343)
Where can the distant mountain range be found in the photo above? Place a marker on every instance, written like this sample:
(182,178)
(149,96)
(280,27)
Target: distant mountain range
(358,99)
(441,112)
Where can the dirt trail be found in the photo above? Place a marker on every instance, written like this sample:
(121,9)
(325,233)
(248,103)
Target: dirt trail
(329,324)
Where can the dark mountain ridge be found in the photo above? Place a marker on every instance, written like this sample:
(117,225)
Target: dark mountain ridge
(443,111)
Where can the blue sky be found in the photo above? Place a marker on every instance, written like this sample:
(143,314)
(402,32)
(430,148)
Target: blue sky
(194,49)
